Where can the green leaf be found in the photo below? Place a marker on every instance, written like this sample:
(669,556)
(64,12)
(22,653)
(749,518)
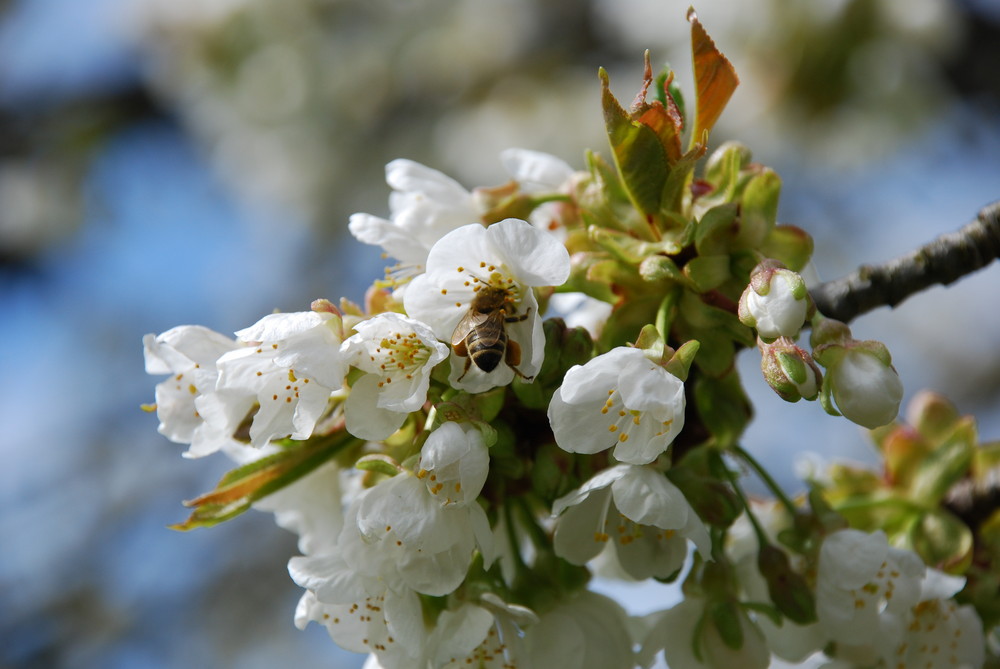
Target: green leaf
(941,539)
(243,486)
(675,187)
(716,229)
(945,465)
(637,151)
(759,208)
(628,248)
(708,272)
(660,268)
(790,245)
(723,406)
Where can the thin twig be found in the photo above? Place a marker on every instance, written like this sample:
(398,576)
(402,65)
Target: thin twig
(944,260)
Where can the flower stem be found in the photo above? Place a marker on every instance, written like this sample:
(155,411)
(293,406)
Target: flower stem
(767,478)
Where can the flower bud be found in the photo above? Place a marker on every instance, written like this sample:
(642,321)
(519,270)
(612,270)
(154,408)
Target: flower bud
(862,380)
(787,588)
(789,370)
(776,302)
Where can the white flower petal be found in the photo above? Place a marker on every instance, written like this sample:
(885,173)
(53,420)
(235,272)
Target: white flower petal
(536,257)
(275,327)
(534,170)
(647,497)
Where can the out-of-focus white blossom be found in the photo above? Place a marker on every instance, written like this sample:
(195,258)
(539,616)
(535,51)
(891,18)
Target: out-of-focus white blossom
(189,353)
(636,509)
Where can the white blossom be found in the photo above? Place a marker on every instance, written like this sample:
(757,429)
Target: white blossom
(310,507)
(541,174)
(189,354)
(509,257)
(454,463)
(688,626)
(397,353)
(389,624)
(425,205)
(619,399)
(432,544)
(290,365)
(583,631)
(639,511)
(936,633)
(860,581)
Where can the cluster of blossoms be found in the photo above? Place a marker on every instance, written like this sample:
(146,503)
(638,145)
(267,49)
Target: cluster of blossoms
(547,371)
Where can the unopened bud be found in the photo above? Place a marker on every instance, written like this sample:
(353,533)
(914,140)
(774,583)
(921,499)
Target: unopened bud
(776,302)
(862,381)
(786,587)
(789,370)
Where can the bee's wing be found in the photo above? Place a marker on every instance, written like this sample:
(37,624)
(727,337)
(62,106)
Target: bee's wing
(472,320)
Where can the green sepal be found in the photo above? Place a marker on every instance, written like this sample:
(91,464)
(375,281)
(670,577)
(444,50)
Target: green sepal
(787,588)
(826,396)
(487,431)
(680,362)
(650,342)
(378,463)
(726,619)
(768,610)
(243,486)
(666,312)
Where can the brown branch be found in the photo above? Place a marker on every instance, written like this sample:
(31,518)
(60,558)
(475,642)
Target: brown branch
(944,260)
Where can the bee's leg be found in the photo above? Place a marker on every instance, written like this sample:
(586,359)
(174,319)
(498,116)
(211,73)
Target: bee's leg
(468,364)
(518,319)
(513,358)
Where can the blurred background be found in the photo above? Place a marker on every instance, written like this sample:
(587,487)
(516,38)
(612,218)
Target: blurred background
(177,161)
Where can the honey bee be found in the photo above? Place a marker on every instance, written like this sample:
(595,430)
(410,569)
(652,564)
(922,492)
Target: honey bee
(481,335)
